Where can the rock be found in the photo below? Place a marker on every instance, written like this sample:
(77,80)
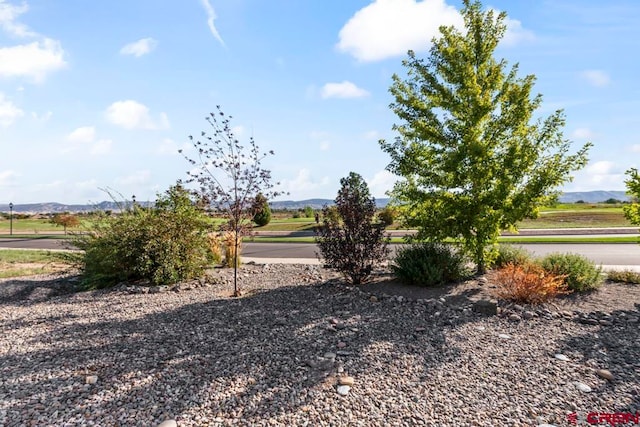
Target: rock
(528,315)
(373,298)
(343,390)
(329,355)
(604,373)
(419,329)
(343,353)
(514,317)
(168,423)
(91,379)
(488,307)
(480,328)
(342,344)
(583,387)
(504,336)
(562,357)
(346,381)
(483,281)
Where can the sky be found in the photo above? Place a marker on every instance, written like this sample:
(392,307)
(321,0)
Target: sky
(99,95)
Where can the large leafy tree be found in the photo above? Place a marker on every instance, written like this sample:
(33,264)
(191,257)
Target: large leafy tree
(473,157)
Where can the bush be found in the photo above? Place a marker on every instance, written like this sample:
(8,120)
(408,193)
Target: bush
(387,216)
(528,283)
(580,274)
(510,254)
(626,276)
(308,212)
(352,244)
(429,264)
(261,211)
(163,245)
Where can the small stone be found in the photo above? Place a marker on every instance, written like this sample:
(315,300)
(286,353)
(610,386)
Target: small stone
(373,298)
(329,355)
(420,329)
(168,423)
(342,344)
(604,373)
(562,357)
(514,317)
(483,280)
(91,379)
(504,336)
(583,387)
(528,315)
(335,321)
(346,381)
(480,328)
(340,369)
(343,390)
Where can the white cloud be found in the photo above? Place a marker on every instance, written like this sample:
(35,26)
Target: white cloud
(382,182)
(35,60)
(635,148)
(140,47)
(597,78)
(325,145)
(345,89)
(582,133)
(83,134)
(303,185)
(6,177)
(136,178)
(211,17)
(9,113)
(388,28)
(515,33)
(131,114)
(8,16)
(44,117)
(101,147)
(600,168)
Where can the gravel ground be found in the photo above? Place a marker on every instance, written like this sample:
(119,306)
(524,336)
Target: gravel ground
(277,355)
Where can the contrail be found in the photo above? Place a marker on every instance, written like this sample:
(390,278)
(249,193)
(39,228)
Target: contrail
(211,14)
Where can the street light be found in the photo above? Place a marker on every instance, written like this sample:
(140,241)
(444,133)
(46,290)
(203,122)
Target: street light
(10,219)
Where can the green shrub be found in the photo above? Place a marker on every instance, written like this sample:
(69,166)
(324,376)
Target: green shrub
(429,264)
(163,245)
(510,254)
(261,211)
(580,273)
(387,216)
(626,276)
(308,212)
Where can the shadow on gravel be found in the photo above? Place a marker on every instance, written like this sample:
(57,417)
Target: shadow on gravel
(611,345)
(251,358)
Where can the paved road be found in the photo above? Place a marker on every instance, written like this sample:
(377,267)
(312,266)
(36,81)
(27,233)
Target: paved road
(601,253)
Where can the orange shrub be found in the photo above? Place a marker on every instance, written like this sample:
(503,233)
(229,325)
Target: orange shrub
(528,283)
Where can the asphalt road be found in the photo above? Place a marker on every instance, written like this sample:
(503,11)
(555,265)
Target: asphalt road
(601,253)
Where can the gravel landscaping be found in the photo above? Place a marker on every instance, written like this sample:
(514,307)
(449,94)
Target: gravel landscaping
(301,348)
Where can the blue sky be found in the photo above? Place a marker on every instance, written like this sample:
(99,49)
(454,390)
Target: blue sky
(102,94)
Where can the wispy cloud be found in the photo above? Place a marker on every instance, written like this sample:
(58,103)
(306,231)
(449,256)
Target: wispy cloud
(344,89)
(9,113)
(140,47)
(211,17)
(9,14)
(597,78)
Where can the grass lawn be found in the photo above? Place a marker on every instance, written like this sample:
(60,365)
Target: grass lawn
(15,263)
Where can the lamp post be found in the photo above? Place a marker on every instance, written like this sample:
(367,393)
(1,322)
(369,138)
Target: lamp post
(10,219)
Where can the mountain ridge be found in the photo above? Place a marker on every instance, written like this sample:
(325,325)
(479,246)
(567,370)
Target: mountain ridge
(316,203)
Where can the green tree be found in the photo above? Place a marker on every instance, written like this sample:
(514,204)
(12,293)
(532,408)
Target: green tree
(352,243)
(472,158)
(261,211)
(632,211)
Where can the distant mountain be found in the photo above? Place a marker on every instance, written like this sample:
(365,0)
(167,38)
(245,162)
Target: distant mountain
(42,208)
(593,196)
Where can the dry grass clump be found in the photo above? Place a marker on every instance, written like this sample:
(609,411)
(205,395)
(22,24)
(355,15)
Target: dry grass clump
(528,283)
(229,240)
